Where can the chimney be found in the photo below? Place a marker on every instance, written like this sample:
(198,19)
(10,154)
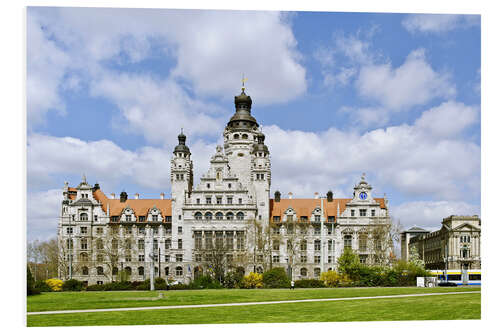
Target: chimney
(277,196)
(123,196)
(316,195)
(329,196)
(290,195)
(112,195)
(137,196)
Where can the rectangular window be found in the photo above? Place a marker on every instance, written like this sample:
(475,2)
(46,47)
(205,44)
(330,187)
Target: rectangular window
(317,230)
(142,218)
(329,229)
(329,259)
(128,218)
(179,244)
(197,257)
(155,244)
(229,240)
(208,200)
(240,201)
(317,259)
(168,244)
(317,245)
(276,218)
(331,219)
(83,230)
(83,244)
(198,201)
(260,258)
(178,257)
(303,259)
(276,245)
(179,230)
(197,240)
(115,218)
(229,200)
(168,219)
(167,258)
(373,212)
(218,200)
(142,231)
(98,231)
(362,212)
(330,245)
(69,230)
(128,230)
(155,230)
(141,257)
(168,229)
(276,259)
(208,240)
(240,240)
(317,218)
(352,212)
(155,218)
(95,218)
(276,230)
(128,258)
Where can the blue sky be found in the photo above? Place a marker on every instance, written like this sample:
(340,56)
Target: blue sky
(396,96)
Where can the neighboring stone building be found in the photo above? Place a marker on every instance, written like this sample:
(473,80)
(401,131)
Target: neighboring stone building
(405,240)
(456,246)
(227,220)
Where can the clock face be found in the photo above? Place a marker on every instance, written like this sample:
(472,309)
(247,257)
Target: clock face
(363,196)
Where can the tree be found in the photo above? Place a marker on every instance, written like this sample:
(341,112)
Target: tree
(260,239)
(348,263)
(381,239)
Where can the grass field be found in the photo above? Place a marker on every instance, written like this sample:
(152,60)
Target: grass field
(443,307)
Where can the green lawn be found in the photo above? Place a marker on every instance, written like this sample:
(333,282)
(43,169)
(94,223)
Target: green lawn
(442,307)
(123,299)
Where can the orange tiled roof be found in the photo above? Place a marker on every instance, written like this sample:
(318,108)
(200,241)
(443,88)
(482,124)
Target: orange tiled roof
(72,196)
(305,207)
(140,207)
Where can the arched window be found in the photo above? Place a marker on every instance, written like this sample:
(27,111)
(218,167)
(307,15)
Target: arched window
(240,216)
(303,271)
(85,270)
(84,217)
(259,270)
(100,270)
(236,136)
(219,216)
(84,256)
(178,271)
(208,216)
(317,272)
(198,216)
(347,241)
(141,270)
(229,216)
(244,136)
(115,271)
(128,271)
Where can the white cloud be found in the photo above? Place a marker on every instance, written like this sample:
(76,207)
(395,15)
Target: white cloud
(43,213)
(210,50)
(46,67)
(413,83)
(429,214)
(439,23)
(405,157)
(448,119)
(51,156)
(158,108)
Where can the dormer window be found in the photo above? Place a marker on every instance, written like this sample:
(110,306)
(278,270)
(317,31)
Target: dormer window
(84,217)
(142,218)
(155,218)
(362,212)
(128,218)
(317,218)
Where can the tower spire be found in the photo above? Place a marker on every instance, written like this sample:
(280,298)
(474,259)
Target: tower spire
(243,80)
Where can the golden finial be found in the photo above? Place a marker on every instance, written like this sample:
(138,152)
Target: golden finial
(243,80)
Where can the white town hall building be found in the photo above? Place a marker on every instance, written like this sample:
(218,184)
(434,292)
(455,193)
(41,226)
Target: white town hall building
(230,214)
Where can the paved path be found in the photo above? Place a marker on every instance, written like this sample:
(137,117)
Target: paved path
(167,307)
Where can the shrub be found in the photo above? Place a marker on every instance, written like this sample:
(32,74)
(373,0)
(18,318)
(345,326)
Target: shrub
(333,279)
(160,284)
(95,287)
(205,282)
(309,283)
(179,286)
(54,284)
(30,282)
(252,281)
(42,286)
(348,263)
(233,279)
(72,285)
(276,278)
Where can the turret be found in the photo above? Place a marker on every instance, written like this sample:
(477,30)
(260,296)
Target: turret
(181,170)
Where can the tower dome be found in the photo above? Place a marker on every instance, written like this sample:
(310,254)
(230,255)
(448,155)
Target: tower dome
(181,147)
(242,119)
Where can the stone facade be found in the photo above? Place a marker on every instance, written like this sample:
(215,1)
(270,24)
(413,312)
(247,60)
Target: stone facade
(456,246)
(229,209)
